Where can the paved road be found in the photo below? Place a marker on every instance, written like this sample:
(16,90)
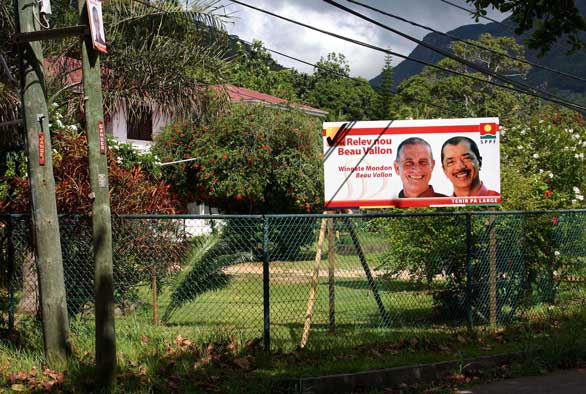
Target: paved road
(560,382)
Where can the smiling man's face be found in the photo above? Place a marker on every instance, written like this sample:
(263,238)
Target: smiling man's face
(415,166)
(462,168)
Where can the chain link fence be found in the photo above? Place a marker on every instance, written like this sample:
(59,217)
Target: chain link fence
(312,280)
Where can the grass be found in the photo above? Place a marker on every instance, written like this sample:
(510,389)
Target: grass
(213,342)
(158,358)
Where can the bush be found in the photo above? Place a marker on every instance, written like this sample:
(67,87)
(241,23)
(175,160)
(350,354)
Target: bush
(251,159)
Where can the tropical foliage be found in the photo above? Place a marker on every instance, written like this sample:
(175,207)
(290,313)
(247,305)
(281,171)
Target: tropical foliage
(251,158)
(132,189)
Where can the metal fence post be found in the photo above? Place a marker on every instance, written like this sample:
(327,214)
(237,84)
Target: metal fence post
(469,270)
(11,269)
(265,285)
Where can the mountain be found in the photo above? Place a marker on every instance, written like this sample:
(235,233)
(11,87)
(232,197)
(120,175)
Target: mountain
(556,58)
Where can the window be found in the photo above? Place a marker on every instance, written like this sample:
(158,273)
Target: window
(140,125)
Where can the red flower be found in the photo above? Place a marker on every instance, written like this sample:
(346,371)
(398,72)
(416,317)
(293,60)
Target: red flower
(554,220)
(548,193)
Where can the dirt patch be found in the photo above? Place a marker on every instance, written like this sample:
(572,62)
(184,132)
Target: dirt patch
(294,275)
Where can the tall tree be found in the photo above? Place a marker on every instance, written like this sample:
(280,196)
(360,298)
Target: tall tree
(160,54)
(343,97)
(547,21)
(385,91)
(9,98)
(334,66)
(255,69)
(459,96)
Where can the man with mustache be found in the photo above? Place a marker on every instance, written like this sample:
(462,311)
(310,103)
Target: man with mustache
(414,164)
(461,163)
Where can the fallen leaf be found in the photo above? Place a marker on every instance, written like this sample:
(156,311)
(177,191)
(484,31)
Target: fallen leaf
(253,343)
(243,363)
(47,385)
(18,387)
(232,346)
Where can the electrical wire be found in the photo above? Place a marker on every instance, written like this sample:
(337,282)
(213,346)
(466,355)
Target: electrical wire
(508,27)
(462,60)
(339,74)
(467,42)
(529,92)
(315,65)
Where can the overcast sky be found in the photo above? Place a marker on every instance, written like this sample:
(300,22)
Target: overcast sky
(310,46)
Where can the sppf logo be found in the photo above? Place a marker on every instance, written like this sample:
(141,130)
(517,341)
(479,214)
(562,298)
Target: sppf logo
(488,131)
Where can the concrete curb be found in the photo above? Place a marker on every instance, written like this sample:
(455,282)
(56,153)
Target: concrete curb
(392,377)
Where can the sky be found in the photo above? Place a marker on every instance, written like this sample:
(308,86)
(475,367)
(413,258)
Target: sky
(311,46)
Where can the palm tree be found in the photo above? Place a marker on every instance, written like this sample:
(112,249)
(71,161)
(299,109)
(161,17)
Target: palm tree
(9,99)
(160,55)
(163,55)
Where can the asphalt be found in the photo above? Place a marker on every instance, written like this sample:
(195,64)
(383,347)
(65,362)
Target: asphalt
(561,382)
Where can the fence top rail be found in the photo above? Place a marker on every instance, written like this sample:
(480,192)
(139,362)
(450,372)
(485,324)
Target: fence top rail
(362,215)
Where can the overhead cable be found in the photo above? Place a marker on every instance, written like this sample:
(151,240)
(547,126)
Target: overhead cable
(314,65)
(508,27)
(344,75)
(468,42)
(526,91)
(459,59)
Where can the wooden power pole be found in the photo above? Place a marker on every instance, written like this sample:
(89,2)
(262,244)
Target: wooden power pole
(101,220)
(47,244)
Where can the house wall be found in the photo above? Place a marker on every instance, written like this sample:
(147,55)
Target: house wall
(117,126)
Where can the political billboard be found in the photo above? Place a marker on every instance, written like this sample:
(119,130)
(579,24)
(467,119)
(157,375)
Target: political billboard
(411,163)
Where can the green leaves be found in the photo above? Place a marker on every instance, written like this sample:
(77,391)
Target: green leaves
(548,20)
(251,158)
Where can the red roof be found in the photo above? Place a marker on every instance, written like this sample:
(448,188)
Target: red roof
(238,94)
(69,69)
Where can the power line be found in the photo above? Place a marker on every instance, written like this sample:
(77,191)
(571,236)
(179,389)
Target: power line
(314,65)
(467,42)
(508,27)
(345,76)
(529,92)
(541,93)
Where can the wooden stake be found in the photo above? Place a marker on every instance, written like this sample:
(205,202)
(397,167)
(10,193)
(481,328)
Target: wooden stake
(313,289)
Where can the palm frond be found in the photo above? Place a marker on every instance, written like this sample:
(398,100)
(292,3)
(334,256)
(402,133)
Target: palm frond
(205,272)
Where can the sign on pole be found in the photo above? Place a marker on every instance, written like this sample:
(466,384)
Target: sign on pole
(94,9)
(412,163)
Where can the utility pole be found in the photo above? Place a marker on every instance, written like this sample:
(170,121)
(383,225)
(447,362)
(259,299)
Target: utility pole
(101,220)
(47,244)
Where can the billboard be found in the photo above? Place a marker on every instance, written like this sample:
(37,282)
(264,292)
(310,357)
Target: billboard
(411,163)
